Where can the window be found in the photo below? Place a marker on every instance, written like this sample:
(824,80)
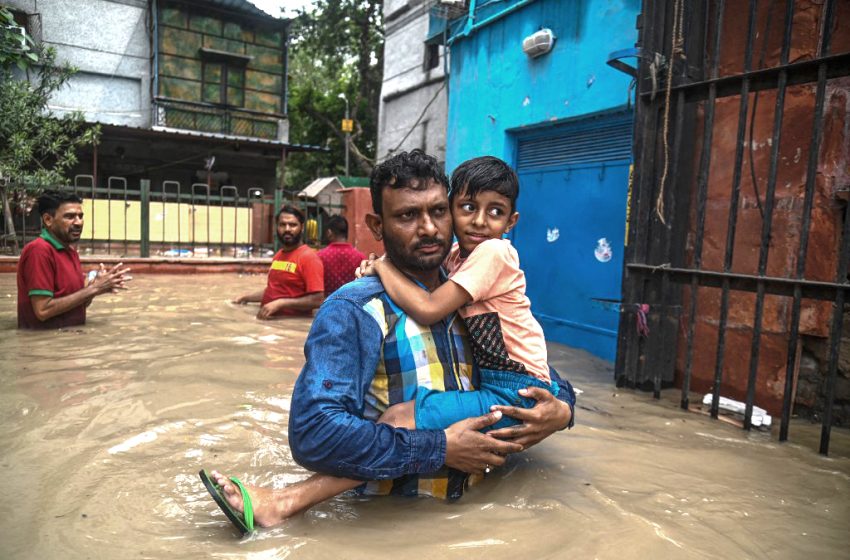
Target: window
(27,25)
(224,83)
(432,57)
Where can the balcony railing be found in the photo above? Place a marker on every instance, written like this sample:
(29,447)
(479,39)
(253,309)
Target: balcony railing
(205,117)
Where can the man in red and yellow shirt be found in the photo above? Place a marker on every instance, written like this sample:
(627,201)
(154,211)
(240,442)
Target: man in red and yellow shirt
(52,291)
(296,277)
(340,258)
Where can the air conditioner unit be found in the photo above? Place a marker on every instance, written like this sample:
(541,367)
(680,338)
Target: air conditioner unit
(451,2)
(538,43)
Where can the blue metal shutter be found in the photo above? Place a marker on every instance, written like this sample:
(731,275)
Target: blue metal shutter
(584,142)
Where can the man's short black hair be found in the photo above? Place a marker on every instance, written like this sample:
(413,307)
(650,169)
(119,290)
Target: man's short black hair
(338,226)
(485,173)
(400,170)
(50,201)
(289,209)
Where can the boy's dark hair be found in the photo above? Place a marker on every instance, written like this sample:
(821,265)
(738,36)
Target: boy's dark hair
(338,226)
(50,201)
(485,173)
(288,209)
(398,171)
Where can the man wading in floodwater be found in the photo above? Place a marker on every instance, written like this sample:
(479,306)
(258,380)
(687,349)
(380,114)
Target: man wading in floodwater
(296,278)
(52,290)
(365,354)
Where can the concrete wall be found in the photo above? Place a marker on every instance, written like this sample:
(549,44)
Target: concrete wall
(495,87)
(108,41)
(408,88)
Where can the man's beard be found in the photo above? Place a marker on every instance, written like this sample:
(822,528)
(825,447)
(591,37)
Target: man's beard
(68,236)
(404,260)
(293,239)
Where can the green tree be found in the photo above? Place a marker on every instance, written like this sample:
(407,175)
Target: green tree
(335,48)
(36,147)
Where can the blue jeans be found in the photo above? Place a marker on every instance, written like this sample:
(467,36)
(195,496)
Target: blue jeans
(437,410)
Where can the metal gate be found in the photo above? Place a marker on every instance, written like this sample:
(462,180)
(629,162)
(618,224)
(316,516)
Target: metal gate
(169,219)
(739,235)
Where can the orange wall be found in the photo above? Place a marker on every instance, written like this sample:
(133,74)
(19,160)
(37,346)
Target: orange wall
(358,203)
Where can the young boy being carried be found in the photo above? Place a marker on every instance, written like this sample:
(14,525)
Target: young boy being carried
(487,288)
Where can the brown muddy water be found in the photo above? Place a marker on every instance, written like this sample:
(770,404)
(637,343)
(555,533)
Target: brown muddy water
(106,426)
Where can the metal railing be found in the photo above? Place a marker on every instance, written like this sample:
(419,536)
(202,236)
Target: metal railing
(207,117)
(172,220)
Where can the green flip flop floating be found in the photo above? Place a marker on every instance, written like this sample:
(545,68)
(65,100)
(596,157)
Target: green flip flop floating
(243,522)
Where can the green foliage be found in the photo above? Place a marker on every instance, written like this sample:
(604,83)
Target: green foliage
(337,48)
(36,147)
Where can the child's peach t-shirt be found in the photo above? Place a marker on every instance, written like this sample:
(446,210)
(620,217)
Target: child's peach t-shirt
(505,335)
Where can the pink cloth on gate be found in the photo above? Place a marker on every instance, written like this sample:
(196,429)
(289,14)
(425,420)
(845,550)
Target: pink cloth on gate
(499,317)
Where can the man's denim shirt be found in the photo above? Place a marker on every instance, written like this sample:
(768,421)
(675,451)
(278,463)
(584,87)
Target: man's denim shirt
(364,354)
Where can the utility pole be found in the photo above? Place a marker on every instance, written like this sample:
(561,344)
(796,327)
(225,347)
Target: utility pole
(347,127)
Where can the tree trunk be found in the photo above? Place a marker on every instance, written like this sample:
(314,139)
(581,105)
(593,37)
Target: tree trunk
(10,222)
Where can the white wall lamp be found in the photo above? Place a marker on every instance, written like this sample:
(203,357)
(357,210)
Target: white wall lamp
(538,43)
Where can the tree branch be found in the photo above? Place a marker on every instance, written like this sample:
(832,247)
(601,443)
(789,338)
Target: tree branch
(362,161)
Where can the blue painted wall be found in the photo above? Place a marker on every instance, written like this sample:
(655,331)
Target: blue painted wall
(498,95)
(494,87)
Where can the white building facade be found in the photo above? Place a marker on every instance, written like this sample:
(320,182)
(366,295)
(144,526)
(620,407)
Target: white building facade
(108,41)
(413,108)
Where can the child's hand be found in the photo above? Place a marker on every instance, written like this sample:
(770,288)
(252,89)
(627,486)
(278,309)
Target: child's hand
(367,267)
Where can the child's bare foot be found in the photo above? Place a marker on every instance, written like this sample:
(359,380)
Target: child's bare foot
(271,507)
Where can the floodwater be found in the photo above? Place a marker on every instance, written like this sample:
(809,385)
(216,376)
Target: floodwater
(106,426)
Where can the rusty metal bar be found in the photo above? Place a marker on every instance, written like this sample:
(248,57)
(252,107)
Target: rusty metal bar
(797,73)
(665,280)
(743,110)
(702,195)
(810,289)
(767,221)
(811,171)
(835,335)
(643,182)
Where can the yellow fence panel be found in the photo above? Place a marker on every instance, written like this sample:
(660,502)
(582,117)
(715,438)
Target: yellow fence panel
(106,219)
(169,222)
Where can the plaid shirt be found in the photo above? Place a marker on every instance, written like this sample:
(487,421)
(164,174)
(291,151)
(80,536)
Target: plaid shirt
(413,355)
(364,354)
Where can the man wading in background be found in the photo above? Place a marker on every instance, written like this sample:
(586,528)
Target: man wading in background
(296,283)
(52,290)
(340,258)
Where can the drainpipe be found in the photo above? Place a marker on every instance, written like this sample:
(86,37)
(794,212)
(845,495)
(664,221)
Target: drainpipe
(94,172)
(155,47)
(285,85)
(471,27)
(470,19)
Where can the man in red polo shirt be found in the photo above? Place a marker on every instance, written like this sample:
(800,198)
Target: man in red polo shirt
(296,277)
(52,291)
(340,258)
